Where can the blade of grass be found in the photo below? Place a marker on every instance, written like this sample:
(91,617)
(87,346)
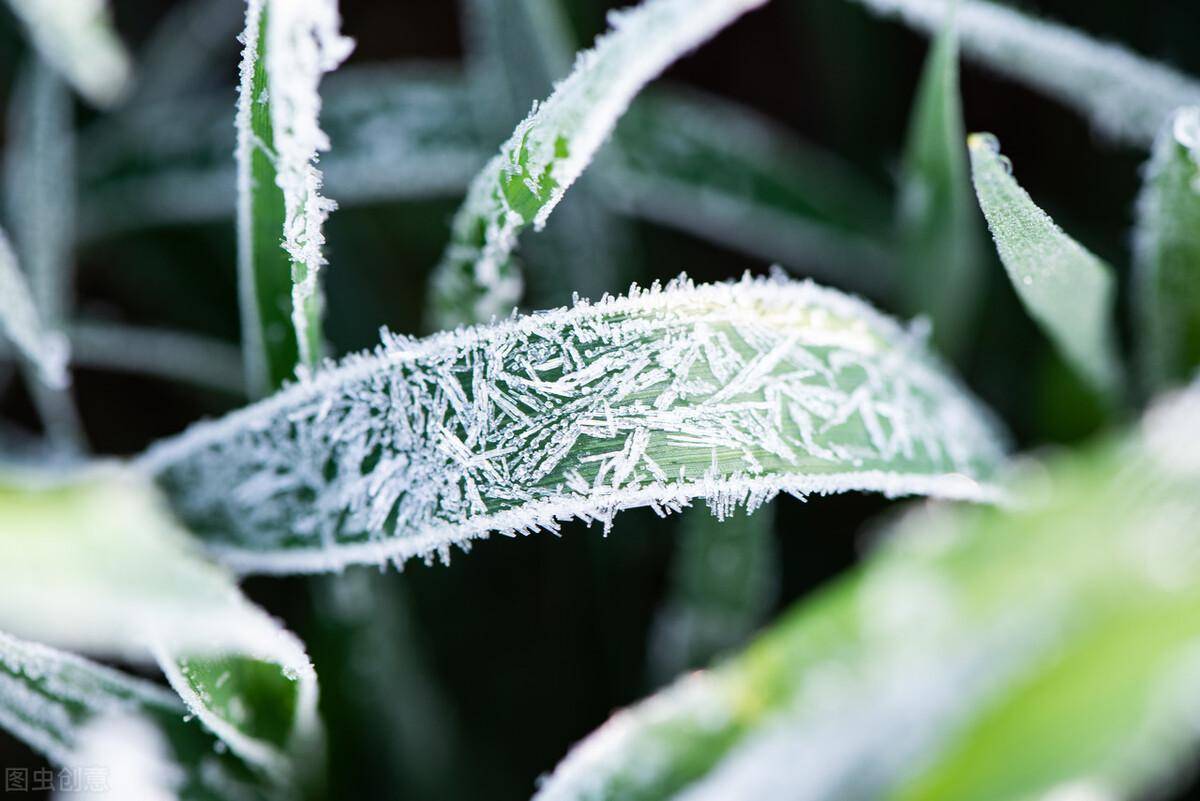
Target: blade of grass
(92,562)
(289,45)
(729,392)
(47,350)
(1126,97)
(941,243)
(965,620)
(87,717)
(79,41)
(1066,289)
(1167,255)
(550,149)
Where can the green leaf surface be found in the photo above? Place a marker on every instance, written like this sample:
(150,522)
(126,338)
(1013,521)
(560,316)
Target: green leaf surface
(125,736)
(941,242)
(979,653)
(1066,289)
(477,277)
(728,392)
(92,562)
(1167,255)
(288,46)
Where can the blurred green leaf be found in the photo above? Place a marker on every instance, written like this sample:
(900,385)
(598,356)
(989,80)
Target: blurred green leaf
(1066,289)
(92,562)
(722,172)
(940,238)
(980,653)
(1167,255)
(87,717)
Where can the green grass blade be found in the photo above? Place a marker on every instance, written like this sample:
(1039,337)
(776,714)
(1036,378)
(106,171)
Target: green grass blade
(981,653)
(720,171)
(724,579)
(1167,255)
(942,248)
(1066,289)
(288,47)
(1126,97)
(477,277)
(728,392)
(79,41)
(125,736)
(93,563)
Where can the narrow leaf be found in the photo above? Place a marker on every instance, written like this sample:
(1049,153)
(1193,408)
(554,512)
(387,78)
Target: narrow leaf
(548,151)
(79,41)
(1167,255)
(1126,96)
(728,392)
(724,579)
(289,45)
(93,563)
(980,653)
(126,736)
(1066,289)
(45,349)
(721,171)
(939,223)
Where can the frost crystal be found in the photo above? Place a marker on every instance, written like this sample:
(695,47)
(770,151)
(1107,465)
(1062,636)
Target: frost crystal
(548,151)
(728,392)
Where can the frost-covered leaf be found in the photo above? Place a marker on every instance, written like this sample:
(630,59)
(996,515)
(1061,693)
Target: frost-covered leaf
(1167,255)
(939,223)
(1065,288)
(725,577)
(77,38)
(93,562)
(399,132)
(289,45)
(722,172)
(126,737)
(47,350)
(548,151)
(729,392)
(1125,96)
(980,653)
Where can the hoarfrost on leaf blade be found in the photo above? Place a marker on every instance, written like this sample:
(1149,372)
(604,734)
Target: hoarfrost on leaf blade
(728,392)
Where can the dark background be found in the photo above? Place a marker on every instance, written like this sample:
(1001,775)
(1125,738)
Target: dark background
(531,643)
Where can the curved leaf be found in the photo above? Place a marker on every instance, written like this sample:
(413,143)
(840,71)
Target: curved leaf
(1066,289)
(126,736)
(92,562)
(548,151)
(1167,255)
(1126,96)
(980,653)
(729,392)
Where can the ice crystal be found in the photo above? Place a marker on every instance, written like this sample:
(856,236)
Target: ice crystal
(728,392)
